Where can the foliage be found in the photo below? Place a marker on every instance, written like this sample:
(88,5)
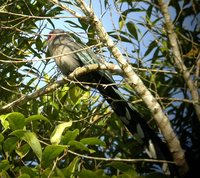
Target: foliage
(64,132)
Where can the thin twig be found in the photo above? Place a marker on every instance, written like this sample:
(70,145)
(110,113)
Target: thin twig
(34,17)
(120,159)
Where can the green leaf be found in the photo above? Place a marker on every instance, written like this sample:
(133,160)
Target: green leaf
(73,24)
(123,176)
(34,143)
(46,172)
(70,170)
(23,150)
(83,23)
(10,144)
(101,173)
(93,141)
(1,137)
(122,20)
(36,117)
(121,38)
(4,165)
(70,135)
(31,139)
(24,176)
(124,14)
(87,174)
(132,29)
(124,168)
(75,93)
(54,11)
(38,43)
(32,172)
(4,174)
(50,153)
(78,145)
(60,173)
(152,45)
(50,22)
(16,120)
(149,12)
(58,131)
(4,122)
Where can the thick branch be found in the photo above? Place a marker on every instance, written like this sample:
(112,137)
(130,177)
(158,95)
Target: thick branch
(177,57)
(137,84)
(53,86)
(24,99)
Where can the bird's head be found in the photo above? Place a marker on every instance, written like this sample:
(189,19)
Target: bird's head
(51,37)
(55,33)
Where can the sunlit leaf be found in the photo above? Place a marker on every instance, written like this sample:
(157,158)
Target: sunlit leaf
(4,122)
(122,21)
(36,117)
(23,150)
(58,131)
(16,120)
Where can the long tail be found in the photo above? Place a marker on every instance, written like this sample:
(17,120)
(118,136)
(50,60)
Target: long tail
(155,147)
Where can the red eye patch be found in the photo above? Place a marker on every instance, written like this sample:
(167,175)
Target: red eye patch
(51,34)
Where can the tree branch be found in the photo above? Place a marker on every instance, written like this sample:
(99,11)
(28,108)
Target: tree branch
(177,57)
(46,89)
(53,86)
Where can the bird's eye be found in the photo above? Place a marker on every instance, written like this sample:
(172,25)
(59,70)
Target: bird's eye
(49,36)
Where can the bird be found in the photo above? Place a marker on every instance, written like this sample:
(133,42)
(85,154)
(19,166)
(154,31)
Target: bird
(70,54)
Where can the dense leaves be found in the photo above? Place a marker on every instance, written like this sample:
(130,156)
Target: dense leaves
(71,131)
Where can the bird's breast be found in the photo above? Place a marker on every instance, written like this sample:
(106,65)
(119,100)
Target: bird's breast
(66,60)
